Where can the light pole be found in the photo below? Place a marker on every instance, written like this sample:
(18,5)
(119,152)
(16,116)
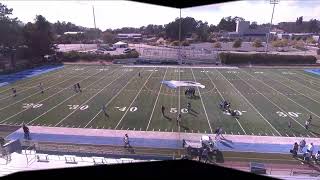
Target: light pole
(179,52)
(274,2)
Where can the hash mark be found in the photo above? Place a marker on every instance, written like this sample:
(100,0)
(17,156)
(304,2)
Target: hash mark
(185,131)
(166,129)
(287,135)
(172,130)
(50,124)
(259,134)
(159,130)
(294,135)
(266,134)
(252,133)
(134,128)
(238,133)
(192,130)
(152,129)
(127,128)
(102,127)
(231,132)
(140,129)
(273,134)
(308,135)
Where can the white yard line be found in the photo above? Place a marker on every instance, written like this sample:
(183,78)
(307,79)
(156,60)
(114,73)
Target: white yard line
(179,103)
(133,100)
(39,92)
(298,83)
(27,88)
(291,99)
(35,79)
(204,108)
(270,100)
(155,103)
(224,99)
(71,96)
(89,99)
(46,98)
(250,104)
(307,75)
(110,100)
(298,75)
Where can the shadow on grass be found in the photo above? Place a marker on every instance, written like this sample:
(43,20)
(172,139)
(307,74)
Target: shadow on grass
(226,144)
(184,127)
(167,117)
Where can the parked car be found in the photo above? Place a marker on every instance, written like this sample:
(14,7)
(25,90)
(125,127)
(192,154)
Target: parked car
(127,50)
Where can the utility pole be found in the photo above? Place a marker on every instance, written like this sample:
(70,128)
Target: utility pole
(274,2)
(179,52)
(94,17)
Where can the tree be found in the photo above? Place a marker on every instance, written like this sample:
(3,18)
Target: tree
(310,40)
(229,23)
(257,43)
(299,20)
(313,26)
(237,43)
(217,45)
(10,28)
(39,37)
(253,25)
(109,38)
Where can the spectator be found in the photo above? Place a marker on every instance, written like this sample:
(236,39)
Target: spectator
(294,150)
(317,156)
(307,156)
(302,144)
(310,148)
(2,141)
(26,131)
(126,141)
(184,143)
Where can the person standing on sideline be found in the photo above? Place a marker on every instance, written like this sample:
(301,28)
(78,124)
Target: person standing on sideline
(306,125)
(139,74)
(179,119)
(26,131)
(289,124)
(79,88)
(162,110)
(41,88)
(302,144)
(126,141)
(310,118)
(14,91)
(189,107)
(104,109)
(75,88)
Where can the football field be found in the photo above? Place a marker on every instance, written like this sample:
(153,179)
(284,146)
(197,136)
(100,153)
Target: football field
(266,99)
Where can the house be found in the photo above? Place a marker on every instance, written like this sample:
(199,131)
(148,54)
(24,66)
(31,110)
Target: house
(120,44)
(130,37)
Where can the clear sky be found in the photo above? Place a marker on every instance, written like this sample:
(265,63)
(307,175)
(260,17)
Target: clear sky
(118,13)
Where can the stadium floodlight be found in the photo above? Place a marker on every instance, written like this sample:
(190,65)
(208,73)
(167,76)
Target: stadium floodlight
(179,52)
(274,2)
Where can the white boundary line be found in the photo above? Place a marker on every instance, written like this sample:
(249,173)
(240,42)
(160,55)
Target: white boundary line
(39,92)
(250,104)
(293,100)
(89,99)
(133,100)
(223,99)
(111,101)
(270,100)
(70,97)
(47,98)
(155,103)
(204,108)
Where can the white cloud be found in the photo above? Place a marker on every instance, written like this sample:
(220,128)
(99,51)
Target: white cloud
(115,14)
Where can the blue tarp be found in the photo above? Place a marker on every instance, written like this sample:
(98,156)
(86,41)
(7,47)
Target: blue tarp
(11,78)
(313,71)
(224,145)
